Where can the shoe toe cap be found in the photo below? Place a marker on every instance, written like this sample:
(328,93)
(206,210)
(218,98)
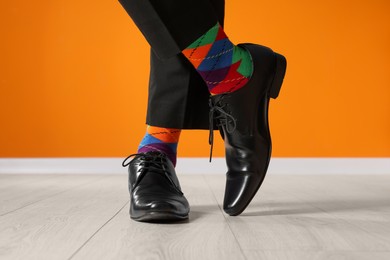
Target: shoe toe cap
(239,191)
(159,207)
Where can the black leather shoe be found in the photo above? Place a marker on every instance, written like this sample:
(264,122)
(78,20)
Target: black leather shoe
(242,117)
(155,193)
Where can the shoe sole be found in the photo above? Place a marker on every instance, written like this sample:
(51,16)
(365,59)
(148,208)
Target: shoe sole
(273,92)
(160,217)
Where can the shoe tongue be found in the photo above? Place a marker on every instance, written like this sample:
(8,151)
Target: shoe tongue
(154,153)
(214,100)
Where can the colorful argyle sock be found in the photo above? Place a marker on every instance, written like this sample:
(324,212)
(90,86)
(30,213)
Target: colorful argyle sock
(224,66)
(160,140)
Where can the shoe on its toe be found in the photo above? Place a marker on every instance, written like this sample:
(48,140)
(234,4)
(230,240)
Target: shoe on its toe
(242,117)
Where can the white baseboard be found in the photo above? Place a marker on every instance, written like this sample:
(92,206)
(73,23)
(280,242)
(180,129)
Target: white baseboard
(195,166)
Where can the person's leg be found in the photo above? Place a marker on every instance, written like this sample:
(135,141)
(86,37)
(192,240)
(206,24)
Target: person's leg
(170,26)
(224,67)
(173,104)
(174,26)
(177,99)
(162,140)
(192,27)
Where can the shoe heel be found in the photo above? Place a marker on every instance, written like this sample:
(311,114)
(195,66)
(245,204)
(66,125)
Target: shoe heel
(280,71)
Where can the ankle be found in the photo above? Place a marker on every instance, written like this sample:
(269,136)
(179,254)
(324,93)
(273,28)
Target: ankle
(163,140)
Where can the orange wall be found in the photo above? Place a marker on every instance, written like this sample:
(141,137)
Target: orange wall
(74,77)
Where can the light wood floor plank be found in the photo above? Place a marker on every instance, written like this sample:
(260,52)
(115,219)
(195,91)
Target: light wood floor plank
(205,236)
(361,201)
(39,188)
(278,220)
(54,228)
(316,255)
(291,217)
(10,181)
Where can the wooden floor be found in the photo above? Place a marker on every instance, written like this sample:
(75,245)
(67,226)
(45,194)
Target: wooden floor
(292,217)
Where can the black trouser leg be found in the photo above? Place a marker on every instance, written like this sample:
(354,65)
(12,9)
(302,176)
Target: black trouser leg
(178,97)
(171,25)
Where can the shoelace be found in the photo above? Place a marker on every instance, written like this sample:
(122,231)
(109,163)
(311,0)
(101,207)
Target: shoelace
(222,119)
(150,162)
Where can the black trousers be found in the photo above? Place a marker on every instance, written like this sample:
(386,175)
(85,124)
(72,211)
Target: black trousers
(178,97)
